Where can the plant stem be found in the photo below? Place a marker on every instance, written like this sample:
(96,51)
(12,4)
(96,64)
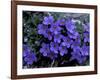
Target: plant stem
(52,63)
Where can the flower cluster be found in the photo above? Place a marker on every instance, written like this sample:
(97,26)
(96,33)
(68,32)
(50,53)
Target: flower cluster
(63,35)
(53,39)
(28,55)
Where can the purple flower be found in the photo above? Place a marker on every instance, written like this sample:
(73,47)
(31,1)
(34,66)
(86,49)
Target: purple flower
(63,50)
(48,20)
(86,27)
(85,50)
(86,37)
(45,50)
(29,56)
(76,44)
(55,28)
(76,55)
(42,29)
(70,25)
(48,34)
(54,47)
(61,22)
(57,38)
(67,41)
(26,50)
(73,35)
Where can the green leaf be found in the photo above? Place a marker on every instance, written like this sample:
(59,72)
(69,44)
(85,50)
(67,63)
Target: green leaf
(79,27)
(36,20)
